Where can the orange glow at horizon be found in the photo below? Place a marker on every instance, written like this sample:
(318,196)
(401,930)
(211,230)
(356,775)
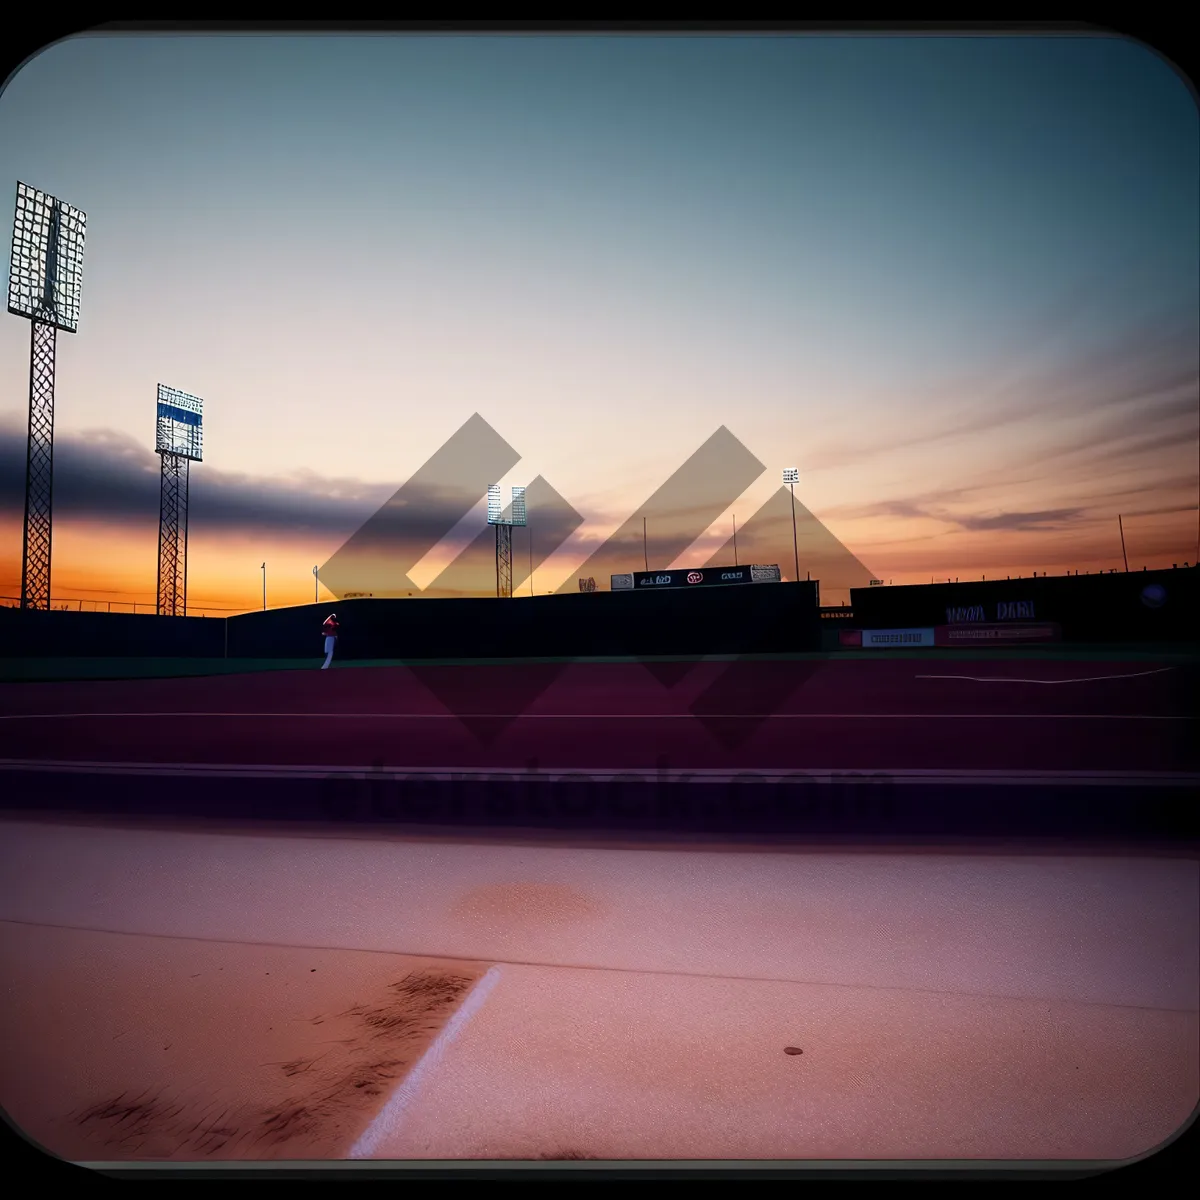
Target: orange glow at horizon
(116,565)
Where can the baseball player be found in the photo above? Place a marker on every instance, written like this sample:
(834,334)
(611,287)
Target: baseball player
(330,630)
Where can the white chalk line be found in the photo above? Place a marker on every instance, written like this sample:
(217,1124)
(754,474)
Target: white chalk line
(598,968)
(1013,679)
(388,1121)
(678,716)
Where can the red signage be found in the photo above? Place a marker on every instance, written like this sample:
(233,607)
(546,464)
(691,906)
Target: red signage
(694,577)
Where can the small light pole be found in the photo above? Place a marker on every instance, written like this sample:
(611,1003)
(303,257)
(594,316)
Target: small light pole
(264,571)
(316,597)
(791,476)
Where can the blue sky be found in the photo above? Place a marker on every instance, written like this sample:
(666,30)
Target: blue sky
(839,247)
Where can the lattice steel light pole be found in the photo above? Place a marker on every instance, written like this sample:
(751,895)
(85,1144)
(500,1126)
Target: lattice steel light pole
(44,281)
(791,476)
(179,443)
(504,534)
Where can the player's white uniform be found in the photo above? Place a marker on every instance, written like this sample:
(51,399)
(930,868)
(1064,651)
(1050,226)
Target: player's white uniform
(330,628)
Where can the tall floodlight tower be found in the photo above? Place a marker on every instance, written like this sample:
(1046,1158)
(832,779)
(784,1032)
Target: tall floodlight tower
(791,476)
(44,281)
(179,442)
(504,534)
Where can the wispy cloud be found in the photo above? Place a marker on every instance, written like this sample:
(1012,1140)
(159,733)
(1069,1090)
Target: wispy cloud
(914,505)
(1150,375)
(1128,437)
(1103,495)
(930,507)
(1171,510)
(1025,522)
(109,477)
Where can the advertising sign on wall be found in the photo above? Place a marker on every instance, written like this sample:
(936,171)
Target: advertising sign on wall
(995,635)
(896,638)
(688,578)
(1011,610)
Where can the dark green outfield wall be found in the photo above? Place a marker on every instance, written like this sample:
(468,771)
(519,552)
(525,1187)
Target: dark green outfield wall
(760,618)
(769,618)
(1121,607)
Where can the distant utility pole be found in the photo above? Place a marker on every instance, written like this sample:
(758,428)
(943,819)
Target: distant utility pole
(316,598)
(264,571)
(1121,527)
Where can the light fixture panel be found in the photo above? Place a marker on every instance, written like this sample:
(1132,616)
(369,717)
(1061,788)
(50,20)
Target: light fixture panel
(45,274)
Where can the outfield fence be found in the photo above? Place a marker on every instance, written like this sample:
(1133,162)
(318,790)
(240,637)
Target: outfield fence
(77,604)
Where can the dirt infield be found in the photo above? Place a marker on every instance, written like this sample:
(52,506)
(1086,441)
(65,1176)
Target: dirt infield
(119,1047)
(646,1067)
(637,1004)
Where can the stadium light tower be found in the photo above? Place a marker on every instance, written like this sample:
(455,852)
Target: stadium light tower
(44,281)
(179,442)
(791,476)
(504,534)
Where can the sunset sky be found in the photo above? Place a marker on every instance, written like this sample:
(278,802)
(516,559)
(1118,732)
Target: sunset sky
(954,280)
